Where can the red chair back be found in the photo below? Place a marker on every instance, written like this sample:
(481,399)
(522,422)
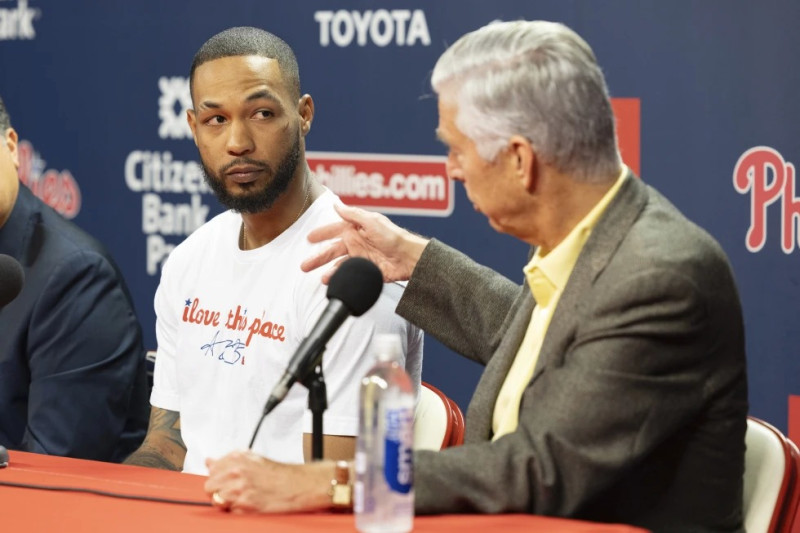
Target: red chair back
(454,433)
(772,479)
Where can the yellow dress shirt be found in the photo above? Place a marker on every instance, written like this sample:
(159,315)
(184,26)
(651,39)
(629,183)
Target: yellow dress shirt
(547,276)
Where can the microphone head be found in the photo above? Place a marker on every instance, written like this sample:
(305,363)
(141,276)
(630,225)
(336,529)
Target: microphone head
(12,278)
(357,284)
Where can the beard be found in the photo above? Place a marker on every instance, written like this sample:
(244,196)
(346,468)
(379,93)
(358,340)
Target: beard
(254,200)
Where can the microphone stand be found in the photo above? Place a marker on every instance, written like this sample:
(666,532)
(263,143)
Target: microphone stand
(317,403)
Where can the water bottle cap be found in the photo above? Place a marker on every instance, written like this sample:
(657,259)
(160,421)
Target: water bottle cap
(387,346)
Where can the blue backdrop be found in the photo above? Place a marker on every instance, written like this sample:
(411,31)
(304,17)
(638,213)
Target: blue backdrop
(98,91)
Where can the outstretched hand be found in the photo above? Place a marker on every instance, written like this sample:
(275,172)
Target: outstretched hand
(370,235)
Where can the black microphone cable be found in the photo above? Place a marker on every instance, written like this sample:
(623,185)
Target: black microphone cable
(109,494)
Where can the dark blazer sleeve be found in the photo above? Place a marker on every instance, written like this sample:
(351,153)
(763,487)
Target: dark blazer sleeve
(84,349)
(633,374)
(446,283)
(636,411)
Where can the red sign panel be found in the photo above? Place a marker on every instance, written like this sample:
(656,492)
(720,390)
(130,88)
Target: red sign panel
(389,183)
(418,184)
(628,114)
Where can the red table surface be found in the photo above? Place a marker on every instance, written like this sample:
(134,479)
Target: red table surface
(34,510)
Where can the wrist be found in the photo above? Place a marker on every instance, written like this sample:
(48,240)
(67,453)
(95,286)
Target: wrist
(413,247)
(341,487)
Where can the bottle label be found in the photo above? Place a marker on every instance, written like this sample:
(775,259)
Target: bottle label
(397,467)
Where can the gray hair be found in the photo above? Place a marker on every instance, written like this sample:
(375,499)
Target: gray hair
(249,41)
(5,120)
(536,79)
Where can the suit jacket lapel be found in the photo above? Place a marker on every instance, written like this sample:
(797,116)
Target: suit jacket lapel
(612,227)
(602,244)
(481,408)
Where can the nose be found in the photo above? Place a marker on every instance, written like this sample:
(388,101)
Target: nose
(240,140)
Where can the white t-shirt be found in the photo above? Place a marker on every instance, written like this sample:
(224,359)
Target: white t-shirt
(228,322)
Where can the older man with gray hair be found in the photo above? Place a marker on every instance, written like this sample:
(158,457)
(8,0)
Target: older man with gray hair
(615,383)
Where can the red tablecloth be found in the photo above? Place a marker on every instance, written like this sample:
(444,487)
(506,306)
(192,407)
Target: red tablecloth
(34,510)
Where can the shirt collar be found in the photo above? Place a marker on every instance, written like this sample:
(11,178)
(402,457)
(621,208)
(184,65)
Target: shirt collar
(548,274)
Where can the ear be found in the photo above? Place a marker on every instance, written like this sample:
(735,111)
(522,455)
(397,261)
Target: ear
(305,107)
(12,143)
(523,159)
(192,120)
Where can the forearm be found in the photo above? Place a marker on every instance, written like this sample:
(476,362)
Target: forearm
(410,248)
(155,457)
(315,481)
(163,447)
(335,447)
(461,303)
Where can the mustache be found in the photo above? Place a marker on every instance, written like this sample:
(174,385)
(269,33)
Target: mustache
(243,161)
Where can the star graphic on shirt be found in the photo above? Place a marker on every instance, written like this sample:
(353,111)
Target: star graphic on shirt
(188,302)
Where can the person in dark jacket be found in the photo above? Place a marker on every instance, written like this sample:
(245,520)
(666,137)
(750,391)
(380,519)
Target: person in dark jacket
(72,363)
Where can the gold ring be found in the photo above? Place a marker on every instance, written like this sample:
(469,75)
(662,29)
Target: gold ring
(218,500)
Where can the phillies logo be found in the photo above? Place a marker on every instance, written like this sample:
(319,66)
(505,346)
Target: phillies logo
(388,183)
(764,173)
(57,189)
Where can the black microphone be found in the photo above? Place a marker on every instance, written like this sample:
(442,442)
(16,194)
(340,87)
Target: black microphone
(12,278)
(353,289)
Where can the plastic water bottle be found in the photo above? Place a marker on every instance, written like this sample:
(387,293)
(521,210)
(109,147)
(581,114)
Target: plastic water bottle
(384,490)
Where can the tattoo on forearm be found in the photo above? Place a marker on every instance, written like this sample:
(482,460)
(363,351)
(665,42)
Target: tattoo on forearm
(168,423)
(150,458)
(163,447)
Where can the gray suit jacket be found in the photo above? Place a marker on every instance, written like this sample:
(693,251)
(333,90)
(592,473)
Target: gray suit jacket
(636,411)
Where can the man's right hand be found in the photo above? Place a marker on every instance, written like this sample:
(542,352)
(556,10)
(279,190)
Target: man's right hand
(373,236)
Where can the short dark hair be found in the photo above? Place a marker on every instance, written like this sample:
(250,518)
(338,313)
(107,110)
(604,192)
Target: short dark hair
(5,120)
(247,41)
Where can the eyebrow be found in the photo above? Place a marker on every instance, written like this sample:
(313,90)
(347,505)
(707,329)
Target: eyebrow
(262,94)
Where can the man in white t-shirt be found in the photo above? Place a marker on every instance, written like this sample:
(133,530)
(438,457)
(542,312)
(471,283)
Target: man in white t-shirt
(233,304)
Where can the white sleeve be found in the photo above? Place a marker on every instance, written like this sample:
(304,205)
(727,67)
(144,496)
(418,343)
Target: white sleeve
(348,358)
(165,380)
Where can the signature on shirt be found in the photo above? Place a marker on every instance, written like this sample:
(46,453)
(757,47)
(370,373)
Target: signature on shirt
(226,350)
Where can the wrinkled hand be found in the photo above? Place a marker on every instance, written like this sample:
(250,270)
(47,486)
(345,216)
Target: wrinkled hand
(372,236)
(244,482)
